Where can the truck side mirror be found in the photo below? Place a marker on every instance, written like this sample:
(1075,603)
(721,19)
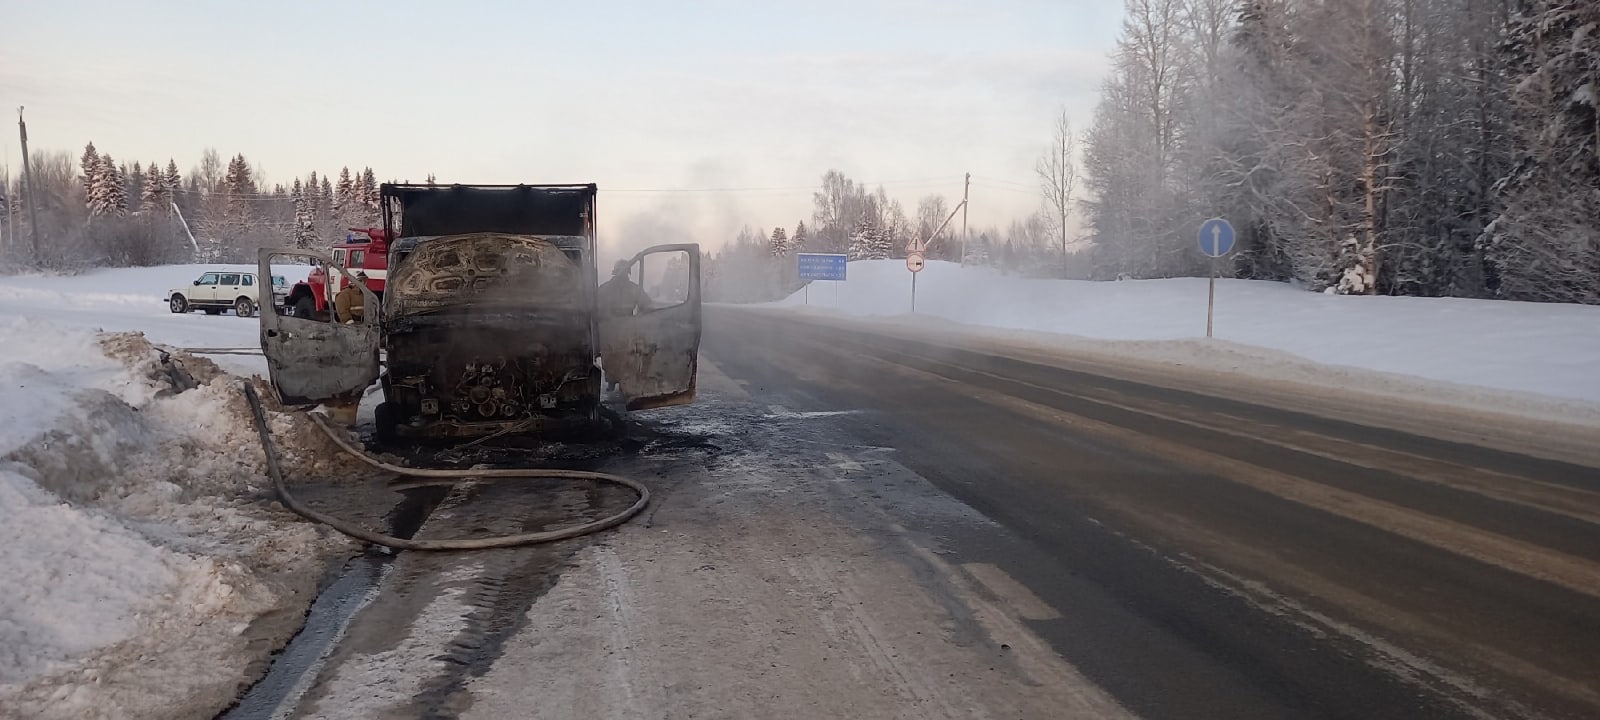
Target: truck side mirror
(197,282)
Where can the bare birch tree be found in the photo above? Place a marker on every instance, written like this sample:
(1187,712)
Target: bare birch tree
(1058,174)
(838,207)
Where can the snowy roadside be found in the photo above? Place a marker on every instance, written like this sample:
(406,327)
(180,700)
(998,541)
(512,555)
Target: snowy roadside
(135,300)
(147,572)
(1532,360)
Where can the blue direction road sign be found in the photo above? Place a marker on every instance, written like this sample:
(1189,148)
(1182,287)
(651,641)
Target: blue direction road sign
(821,266)
(1216,237)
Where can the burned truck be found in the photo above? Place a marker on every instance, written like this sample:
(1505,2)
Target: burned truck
(490,322)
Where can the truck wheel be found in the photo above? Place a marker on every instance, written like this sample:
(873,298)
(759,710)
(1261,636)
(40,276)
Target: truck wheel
(243,307)
(305,307)
(383,422)
(178,304)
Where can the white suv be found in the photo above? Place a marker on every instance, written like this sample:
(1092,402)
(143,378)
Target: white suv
(219,290)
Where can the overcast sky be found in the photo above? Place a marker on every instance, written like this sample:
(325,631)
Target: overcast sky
(636,96)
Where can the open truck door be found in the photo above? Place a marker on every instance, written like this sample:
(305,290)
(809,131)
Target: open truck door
(319,361)
(651,347)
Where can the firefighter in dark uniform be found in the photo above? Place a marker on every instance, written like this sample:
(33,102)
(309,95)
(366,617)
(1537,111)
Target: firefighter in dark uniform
(620,297)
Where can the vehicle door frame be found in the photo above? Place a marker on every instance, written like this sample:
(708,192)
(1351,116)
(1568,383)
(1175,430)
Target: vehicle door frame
(330,284)
(629,331)
(202,292)
(225,292)
(319,361)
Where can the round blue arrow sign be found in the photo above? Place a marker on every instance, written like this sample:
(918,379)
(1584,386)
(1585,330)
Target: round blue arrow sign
(1216,237)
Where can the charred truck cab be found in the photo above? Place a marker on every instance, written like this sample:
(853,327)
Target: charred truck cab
(490,322)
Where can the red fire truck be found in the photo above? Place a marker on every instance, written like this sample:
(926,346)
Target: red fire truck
(365,250)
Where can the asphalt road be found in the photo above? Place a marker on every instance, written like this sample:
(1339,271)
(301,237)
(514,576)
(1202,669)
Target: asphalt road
(1205,556)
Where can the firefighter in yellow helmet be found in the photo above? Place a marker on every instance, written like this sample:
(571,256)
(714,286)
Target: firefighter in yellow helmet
(348,304)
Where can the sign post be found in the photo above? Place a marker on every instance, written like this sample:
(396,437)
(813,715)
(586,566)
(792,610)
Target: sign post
(821,266)
(915,249)
(1211,295)
(1216,240)
(914,263)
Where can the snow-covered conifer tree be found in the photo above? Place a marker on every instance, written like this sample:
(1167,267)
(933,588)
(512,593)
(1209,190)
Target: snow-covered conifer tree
(343,196)
(369,192)
(108,196)
(779,244)
(305,228)
(240,187)
(1545,242)
(174,180)
(862,239)
(91,169)
(134,179)
(327,192)
(153,197)
(313,199)
(880,244)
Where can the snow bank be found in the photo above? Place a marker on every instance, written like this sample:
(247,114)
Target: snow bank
(138,545)
(1546,349)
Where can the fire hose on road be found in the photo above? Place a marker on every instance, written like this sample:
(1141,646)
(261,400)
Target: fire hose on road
(376,538)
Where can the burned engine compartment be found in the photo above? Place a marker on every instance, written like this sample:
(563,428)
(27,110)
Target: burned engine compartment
(488,332)
(455,381)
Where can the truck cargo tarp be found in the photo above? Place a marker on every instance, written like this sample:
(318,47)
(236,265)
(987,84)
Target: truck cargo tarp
(516,209)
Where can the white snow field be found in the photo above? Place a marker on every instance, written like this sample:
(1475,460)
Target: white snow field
(135,299)
(1526,348)
(140,548)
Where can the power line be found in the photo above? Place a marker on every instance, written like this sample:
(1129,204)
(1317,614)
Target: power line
(910,183)
(922,182)
(1030,186)
(1004,188)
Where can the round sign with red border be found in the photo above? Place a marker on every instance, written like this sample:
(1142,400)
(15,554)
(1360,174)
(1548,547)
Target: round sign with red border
(914,262)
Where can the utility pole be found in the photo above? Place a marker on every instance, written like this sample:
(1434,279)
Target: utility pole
(966,191)
(28,185)
(11,212)
(8,231)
